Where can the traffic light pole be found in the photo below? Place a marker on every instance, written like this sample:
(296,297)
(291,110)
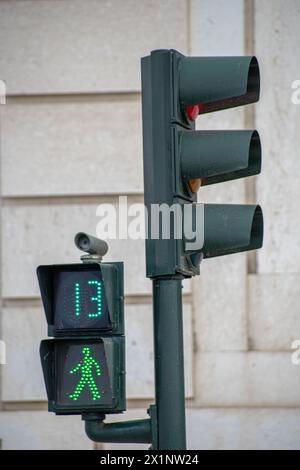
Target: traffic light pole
(169,366)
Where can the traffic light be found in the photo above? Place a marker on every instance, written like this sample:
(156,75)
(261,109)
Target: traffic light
(178,160)
(84,366)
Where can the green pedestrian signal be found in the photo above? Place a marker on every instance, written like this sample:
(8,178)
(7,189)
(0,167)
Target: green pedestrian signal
(84,375)
(87,377)
(84,366)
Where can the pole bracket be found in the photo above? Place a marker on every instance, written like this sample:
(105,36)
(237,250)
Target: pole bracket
(141,431)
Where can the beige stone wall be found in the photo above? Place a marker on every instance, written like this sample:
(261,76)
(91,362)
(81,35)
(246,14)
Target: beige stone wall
(71,139)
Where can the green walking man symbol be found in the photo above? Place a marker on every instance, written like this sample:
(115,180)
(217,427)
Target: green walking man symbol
(86,368)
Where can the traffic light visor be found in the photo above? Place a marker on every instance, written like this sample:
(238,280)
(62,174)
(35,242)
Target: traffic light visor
(216,83)
(217,156)
(228,228)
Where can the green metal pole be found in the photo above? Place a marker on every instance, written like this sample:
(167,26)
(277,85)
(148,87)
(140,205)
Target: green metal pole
(169,368)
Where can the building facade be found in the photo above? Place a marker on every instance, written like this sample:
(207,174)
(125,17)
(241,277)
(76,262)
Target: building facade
(71,139)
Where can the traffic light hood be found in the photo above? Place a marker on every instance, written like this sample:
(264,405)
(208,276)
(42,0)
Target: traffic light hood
(217,156)
(218,82)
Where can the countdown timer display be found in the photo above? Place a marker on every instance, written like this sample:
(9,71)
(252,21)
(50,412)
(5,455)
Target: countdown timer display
(79,300)
(82,374)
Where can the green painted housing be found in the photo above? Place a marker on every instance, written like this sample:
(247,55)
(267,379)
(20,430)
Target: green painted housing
(115,359)
(175,153)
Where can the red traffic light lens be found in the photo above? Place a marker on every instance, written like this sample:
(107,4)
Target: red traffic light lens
(193,111)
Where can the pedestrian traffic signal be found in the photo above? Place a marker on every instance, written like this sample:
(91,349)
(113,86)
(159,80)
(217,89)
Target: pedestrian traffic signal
(178,160)
(85,375)
(84,366)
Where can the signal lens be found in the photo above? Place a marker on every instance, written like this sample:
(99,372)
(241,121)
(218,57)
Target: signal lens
(192,112)
(194,185)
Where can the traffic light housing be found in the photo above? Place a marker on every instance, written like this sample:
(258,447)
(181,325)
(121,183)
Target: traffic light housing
(102,392)
(84,366)
(178,160)
(82,299)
